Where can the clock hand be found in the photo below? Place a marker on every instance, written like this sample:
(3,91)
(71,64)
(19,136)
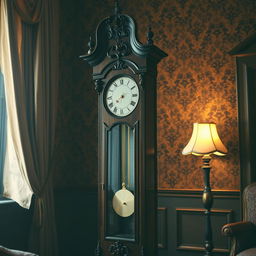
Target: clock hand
(120,98)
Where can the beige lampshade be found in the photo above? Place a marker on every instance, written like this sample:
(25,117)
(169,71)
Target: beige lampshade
(205,141)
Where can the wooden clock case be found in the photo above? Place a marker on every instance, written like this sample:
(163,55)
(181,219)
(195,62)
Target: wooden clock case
(117,53)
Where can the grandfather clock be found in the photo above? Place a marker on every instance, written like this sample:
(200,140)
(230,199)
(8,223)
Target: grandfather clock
(124,73)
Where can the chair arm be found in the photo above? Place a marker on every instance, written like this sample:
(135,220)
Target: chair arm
(9,252)
(236,228)
(242,234)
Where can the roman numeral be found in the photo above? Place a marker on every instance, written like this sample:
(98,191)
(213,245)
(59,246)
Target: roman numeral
(115,84)
(115,109)
(121,112)
(133,103)
(121,81)
(132,87)
(111,105)
(109,98)
(135,95)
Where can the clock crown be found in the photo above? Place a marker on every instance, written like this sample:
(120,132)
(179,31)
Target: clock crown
(116,38)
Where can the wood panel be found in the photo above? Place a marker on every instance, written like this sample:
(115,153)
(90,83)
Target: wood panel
(76,212)
(185,222)
(162,227)
(192,221)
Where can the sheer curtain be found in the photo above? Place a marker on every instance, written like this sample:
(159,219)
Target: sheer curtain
(31,95)
(3,126)
(14,176)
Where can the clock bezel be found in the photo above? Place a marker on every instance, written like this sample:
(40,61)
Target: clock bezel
(110,82)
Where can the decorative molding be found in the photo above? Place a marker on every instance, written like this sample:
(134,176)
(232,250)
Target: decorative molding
(193,246)
(163,193)
(119,64)
(133,67)
(118,249)
(198,193)
(98,85)
(162,227)
(118,50)
(116,27)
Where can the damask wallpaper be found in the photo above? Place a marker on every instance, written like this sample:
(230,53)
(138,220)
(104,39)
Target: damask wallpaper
(196,83)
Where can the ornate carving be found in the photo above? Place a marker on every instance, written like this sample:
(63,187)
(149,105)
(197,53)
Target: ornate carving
(118,50)
(119,64)
(117,27)
(118,249)
(98,85)
(98,251)
(116,30)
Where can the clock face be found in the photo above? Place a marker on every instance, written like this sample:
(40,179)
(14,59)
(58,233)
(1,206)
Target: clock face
(122,96)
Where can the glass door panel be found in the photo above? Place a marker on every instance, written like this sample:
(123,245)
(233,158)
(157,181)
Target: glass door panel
(121,183)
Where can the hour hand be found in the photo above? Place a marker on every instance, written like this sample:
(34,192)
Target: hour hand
(120,98)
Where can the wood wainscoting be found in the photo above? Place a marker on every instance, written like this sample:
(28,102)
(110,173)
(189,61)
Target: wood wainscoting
(181,221)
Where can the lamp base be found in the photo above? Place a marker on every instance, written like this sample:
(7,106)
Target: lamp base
(207,199)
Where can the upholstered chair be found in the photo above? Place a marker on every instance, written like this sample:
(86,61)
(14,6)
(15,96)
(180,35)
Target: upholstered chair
(9,252)
(243,234)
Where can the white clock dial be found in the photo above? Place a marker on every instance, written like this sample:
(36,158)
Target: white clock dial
(122,96)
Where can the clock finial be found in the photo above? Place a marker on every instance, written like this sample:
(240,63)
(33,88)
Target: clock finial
(150,35)
(117,8)
(91,45)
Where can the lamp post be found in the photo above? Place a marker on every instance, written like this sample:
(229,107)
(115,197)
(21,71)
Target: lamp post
(204,142)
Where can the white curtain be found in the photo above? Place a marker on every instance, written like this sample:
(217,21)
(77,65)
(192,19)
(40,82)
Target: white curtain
(15,184)
(3,126)
(29,63)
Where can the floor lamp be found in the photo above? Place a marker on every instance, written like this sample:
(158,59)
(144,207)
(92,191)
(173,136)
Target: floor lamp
(204,142)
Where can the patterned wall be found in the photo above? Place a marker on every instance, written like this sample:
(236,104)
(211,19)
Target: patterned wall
(196,83)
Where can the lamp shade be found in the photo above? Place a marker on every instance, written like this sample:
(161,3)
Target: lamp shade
(205,141)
